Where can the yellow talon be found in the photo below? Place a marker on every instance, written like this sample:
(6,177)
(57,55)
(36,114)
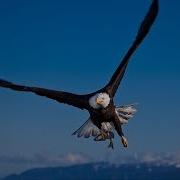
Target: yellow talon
(124,141)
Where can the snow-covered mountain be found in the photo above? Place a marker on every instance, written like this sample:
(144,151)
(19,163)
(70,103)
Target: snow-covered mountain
(137,166)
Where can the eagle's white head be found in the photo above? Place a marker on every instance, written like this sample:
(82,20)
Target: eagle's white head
(100,100)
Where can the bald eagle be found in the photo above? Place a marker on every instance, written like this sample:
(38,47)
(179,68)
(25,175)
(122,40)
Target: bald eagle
(105,116)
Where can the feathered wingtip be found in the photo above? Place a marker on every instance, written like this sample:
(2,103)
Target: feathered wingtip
(148,21)
(4,83)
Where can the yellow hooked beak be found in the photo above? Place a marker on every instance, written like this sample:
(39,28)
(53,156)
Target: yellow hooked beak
(99,101)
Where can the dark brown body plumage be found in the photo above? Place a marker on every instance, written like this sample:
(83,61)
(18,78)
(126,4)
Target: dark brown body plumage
(103,114)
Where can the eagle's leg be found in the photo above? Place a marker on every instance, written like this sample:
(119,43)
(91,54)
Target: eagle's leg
(118,128)
(102,136)
(111,145)
(124,141)
(111,136)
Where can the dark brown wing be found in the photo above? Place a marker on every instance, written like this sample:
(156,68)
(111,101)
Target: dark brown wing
(149,19)
(60,96)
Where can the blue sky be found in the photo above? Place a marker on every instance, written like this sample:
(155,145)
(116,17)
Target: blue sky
(75,46)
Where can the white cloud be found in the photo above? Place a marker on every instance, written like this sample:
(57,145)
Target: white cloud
(18,163)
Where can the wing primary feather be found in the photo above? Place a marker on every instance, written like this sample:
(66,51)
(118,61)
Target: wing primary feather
(75,100)
(144,28)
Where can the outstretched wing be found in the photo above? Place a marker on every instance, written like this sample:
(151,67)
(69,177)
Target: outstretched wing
(60,96)
(149,19)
